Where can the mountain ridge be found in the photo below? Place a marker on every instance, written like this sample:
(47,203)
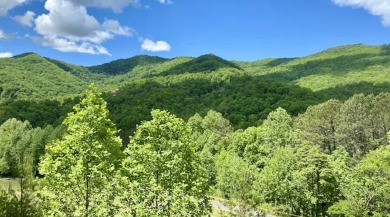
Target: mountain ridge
(331,68)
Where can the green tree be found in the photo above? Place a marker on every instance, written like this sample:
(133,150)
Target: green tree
(15,141)
(78,169)
(319,123)
(275,132)
(9,203)
(235,179)
(356,128)
(367,191)
(167,178)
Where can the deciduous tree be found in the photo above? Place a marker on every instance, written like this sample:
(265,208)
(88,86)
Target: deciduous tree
(78,169)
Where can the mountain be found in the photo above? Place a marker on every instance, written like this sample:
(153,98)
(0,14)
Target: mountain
(122,66)
(205,64)
(332,68)
(43,90)
(30,76)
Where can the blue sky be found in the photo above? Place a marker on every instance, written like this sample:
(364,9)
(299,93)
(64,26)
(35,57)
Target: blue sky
(90,32)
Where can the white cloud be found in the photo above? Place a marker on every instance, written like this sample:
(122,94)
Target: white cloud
(65,45)
(6,5)
(115,5)
(69,24)
(165,1)
(375,7)
(157,46)
(114,27)
(6,55)
(26,20)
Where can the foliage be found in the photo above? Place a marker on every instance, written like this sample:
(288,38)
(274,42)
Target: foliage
(235,180)
(332,159)
(359,124)
(8,203)
(166,177)
(89,153)
(205,64)
(30,76)
(319,123)
(15,142)
(122,66)
(334,67)
(243,100)
(367,190)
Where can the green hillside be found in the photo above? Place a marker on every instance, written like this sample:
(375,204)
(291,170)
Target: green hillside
(205,63)
(123,66)
(32,77)
(335,67)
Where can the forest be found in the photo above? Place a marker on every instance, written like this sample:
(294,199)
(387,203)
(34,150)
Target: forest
(165,137)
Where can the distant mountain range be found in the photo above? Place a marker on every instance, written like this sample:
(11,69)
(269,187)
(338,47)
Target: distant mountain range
(30,76)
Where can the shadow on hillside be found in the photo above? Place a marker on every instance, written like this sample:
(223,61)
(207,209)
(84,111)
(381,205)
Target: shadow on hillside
(279,61)
(385,49)
(206,63)
(337,66)
(343,92)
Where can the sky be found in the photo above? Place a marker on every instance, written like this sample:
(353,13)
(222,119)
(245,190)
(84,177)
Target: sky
(91,32)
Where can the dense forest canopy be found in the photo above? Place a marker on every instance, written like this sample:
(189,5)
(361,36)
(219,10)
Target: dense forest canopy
(162,137)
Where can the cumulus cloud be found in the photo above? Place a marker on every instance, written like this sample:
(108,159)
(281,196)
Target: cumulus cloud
(65,45)
(375,7)
(114,27)
(69,28)
(6,5)
(157,46)
(165,1)
(26,20)
(6,55)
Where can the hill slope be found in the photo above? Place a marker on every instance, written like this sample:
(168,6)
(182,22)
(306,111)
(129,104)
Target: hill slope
(122,66)
(335,67)
(205,64)
(30,76)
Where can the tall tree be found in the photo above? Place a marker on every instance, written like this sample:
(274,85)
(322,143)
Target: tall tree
(78,169)
(167,178)
(319,123)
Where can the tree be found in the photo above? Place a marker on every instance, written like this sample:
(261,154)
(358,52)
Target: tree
(319,123)
(9,203)
(235,180)
(15,139)
(275,132)
(78,169)
(167,178)
(356,126)
(18,161)
(212,132)
(367,191)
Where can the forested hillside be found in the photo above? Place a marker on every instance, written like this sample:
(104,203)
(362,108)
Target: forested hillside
(335,67)
(153,136)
